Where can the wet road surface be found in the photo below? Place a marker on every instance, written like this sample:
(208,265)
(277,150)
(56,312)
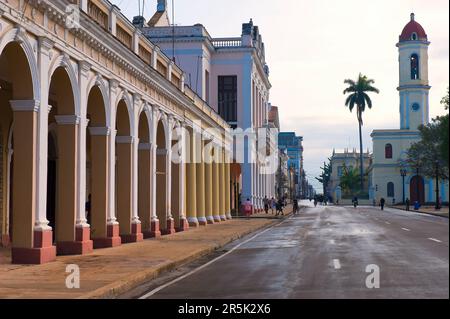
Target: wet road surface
(322,253)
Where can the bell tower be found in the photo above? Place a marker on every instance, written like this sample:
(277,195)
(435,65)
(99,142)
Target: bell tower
(414,86)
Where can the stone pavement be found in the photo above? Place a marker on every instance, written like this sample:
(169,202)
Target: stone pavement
(109,272)
(427,210)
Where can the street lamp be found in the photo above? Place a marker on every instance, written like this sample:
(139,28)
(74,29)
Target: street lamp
(404,172)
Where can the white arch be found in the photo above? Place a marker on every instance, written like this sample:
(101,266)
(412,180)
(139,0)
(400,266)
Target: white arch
(162,117)
(124,96)
(19,36)
(145,108)
(98,81)
(63,60)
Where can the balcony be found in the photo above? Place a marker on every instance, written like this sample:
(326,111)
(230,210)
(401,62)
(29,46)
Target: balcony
(219,43)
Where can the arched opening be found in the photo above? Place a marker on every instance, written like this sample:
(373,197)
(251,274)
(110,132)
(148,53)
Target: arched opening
(62,162)
(144,175)
(390,190)
(417,189)
(161,178)
(97,168)
(16,191)
(388,151)
(129,232)
(415,69)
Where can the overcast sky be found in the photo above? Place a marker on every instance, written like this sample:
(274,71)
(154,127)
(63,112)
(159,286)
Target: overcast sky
(312,46)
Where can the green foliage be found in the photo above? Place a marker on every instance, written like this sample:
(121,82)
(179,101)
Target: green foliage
(431,154)
(325,177)
(350,180)
(358,96)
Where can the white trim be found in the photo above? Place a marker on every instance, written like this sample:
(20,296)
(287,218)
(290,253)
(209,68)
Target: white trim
(100,131)
(25,105)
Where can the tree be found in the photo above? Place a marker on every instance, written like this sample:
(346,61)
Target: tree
(325,177)
(350,179)
(358,97)
(430,155)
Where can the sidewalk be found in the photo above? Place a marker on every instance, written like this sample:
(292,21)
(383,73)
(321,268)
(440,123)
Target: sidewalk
(429,210)
(287,212)
(110,272)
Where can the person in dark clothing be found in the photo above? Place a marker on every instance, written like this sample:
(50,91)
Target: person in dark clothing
(382,203)
(88,209)
(280,205)
(408,205)
(295,206)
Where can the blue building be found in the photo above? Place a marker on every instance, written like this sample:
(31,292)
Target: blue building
(293,145)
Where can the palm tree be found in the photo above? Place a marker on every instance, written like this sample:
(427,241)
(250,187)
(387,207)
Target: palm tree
(358,97)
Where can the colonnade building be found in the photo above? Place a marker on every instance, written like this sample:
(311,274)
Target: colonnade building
(94,117)
(232,75)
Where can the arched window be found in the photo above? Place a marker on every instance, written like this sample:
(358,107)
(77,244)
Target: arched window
(414,36)
(415,72)
(390,190)
(388,152)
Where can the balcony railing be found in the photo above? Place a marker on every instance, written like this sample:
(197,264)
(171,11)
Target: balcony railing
(227,42)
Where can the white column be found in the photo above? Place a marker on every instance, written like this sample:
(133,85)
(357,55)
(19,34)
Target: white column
(154,216)
(182,174)
(112,220)
(134,179)
(81,221)
(41,222)
(84,5)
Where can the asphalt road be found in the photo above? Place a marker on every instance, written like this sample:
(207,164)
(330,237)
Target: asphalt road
(323,253)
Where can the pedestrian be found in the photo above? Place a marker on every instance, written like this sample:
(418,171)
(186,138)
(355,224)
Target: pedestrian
(273,205)
(280,207)
(248,207)
(88,207)
(315,201)
(295,206)
(355,201)
(266,204)
(382,203)
(408,205)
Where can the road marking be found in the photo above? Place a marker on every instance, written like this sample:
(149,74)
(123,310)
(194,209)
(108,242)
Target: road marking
(406,229)
(387,223)
(156,290)
(332,242)
(337,264)
(436,240)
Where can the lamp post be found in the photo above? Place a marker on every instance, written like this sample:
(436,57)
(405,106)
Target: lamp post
(403,172)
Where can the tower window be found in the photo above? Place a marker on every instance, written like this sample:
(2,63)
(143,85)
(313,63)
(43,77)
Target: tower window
(415,67)
(390,190)
(388,152)
(415,107)
(228,98)
(414,36)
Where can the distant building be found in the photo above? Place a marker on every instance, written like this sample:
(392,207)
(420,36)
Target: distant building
(340,161)
(293,145)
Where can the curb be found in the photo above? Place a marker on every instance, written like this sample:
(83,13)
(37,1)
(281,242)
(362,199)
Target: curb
(122,286)
(420,212)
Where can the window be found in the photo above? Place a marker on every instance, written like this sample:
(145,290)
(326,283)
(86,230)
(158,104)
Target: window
(415,74)
(415,107)
(414,36)
(340,171)
(388,151)
(228,98)
(390,190)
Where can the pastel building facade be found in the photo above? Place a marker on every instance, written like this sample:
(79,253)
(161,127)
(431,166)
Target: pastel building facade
(390,146)
(90,114)
(293,146)
(232,76)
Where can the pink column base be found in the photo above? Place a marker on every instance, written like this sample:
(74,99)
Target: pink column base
(170,228)
(43,251)
(135,236)
(211,222)
(184,225)
(203,223)
(113,239)
(154,231)
(81,246)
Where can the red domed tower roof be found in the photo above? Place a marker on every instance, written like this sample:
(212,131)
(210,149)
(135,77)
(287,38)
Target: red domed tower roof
(413,31)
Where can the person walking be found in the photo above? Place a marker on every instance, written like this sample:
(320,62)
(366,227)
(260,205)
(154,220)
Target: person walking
(248,207)
(382,203)
(315,202)
(280,207)
(266,205)
(295,206)
(408,205)
(273,205)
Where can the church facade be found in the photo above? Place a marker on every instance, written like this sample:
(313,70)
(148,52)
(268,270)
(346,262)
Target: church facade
(390,179)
